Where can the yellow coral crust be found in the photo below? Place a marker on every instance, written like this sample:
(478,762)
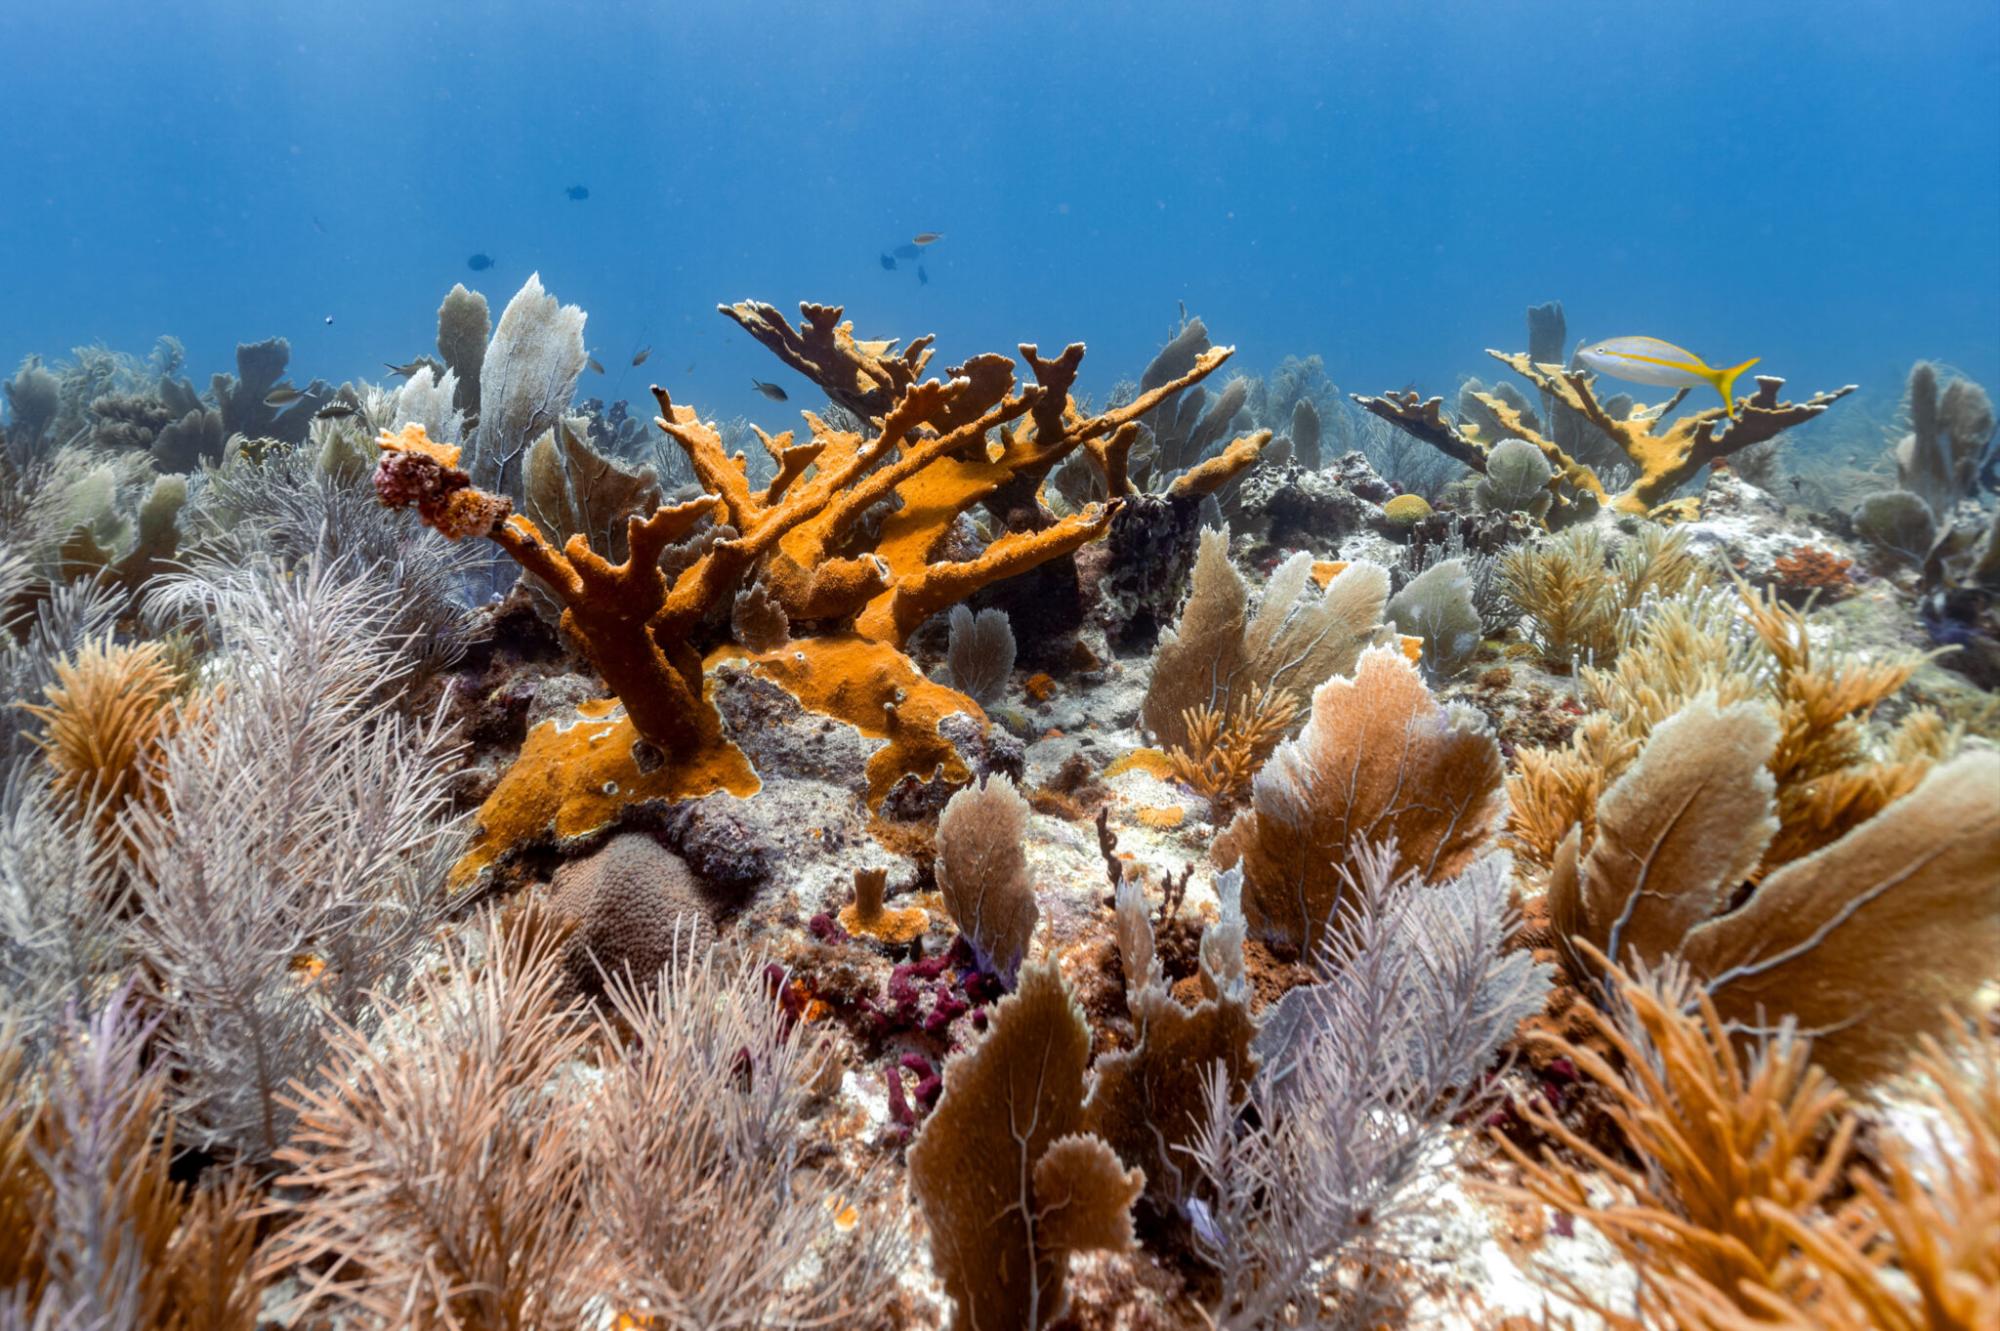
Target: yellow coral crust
(573,777)
(876,689)
(413,439)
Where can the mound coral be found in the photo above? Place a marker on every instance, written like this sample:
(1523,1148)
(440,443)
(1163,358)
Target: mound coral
(627,911)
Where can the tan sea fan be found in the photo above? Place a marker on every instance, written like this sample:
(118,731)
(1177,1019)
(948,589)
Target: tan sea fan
(1379,761)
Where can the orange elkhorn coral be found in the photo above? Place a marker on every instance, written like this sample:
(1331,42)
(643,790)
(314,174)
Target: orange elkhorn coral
(935,449)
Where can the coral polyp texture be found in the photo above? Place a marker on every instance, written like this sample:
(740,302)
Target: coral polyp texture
(995,850)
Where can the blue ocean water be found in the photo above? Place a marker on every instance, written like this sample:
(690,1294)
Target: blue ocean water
(1386,184)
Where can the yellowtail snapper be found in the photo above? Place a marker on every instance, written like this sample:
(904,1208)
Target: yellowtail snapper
(1647,360)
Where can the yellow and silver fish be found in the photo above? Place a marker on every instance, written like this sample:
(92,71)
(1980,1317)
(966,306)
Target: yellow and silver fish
(1647,360)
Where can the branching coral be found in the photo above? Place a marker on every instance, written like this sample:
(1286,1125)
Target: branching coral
(1666,456)
(1379,760)
(930,456)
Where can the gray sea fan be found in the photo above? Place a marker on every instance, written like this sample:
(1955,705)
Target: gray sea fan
(1897,523)
(302,816)
(60,898)
(525,383)
(66,615)
(287,510)
(1361,1078)
(428,401)
(980,653)
(34,396)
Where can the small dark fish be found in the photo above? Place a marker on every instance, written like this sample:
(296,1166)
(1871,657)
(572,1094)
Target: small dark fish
(639,356)
(595,364)
(888,263)
(907,251)
(405,370)
(689,369)
(334,411)
(578,193)
(283,397)
(772,391)
(927,238)
(319,226)
(479,263)
(329,321)
(923,278)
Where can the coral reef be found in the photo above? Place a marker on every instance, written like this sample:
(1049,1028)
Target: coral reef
(1227,858)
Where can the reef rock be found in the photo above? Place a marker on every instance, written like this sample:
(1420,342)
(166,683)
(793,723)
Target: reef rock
(1292,508)
(1750,531)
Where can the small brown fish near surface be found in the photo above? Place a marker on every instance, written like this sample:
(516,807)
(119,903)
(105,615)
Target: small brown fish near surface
(595,364)
(283,396)
(405,370)
(927,238)
(772,391)
(639,356)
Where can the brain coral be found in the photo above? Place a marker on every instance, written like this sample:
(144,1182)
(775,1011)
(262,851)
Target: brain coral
(629,904)
(1405,511)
